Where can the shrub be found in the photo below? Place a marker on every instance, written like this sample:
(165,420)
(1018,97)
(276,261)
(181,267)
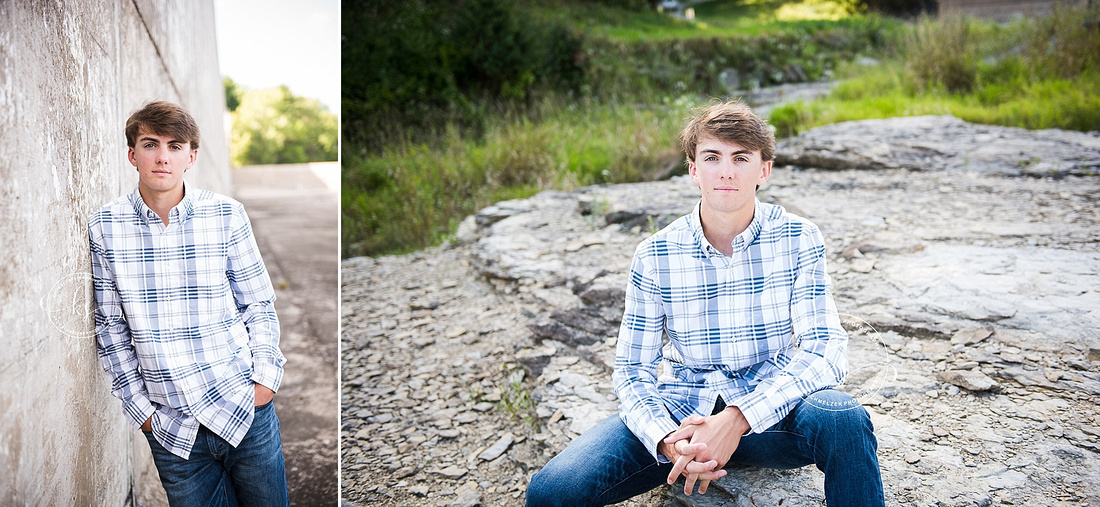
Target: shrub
(942,53)
(1066,43)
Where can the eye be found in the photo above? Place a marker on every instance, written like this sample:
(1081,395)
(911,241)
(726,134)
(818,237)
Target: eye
(150,145)
(710,158)
(742,159)
(175,147)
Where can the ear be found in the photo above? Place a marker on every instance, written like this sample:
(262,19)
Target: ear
(765,171)
(691,170)
(130,156)
(191,159)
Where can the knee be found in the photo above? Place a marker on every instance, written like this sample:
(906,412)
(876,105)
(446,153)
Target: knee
(840,416)
(547,487)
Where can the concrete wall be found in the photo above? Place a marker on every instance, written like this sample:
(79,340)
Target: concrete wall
(71,71)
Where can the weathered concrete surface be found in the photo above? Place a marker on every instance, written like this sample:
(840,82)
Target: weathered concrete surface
(70,73)
(295,215)
(969,297)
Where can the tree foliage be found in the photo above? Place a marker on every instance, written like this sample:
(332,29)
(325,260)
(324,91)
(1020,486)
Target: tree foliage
(274,126)
(906,8)
(409,67)
(232,95)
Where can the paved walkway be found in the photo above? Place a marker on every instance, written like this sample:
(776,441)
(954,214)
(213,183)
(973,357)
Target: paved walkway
(295,213)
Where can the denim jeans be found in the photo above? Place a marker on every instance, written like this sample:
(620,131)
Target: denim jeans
(217,474)
(608,464)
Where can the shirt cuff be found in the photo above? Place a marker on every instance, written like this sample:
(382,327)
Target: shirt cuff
(654,434)
(139,409)
(268,374)
(757,412)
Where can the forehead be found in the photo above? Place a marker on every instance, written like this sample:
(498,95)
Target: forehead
(713,144)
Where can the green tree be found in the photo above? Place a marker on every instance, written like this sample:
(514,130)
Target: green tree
(274,126)
(232,95)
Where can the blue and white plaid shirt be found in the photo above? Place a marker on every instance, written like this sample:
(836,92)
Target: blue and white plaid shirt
(185,320)
(759,329)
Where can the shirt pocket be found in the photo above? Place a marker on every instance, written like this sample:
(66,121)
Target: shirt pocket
(209,296)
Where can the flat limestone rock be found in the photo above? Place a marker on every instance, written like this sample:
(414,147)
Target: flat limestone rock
(971,380)
(957,146)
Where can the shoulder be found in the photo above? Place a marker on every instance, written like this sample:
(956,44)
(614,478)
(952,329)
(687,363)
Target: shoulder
(115,211)
(778,222)
(209,203)
(675,238)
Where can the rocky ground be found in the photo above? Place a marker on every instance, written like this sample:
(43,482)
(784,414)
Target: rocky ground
(964,260)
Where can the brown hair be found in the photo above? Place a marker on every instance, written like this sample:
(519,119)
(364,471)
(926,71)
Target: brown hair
(730,121)
(162,119)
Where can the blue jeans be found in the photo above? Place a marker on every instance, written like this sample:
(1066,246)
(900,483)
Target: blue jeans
(217,474)
(608,464)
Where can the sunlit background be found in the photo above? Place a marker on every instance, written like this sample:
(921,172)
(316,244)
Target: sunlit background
(280,60)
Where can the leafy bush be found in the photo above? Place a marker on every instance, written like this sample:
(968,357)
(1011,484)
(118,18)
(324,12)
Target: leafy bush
(897,7)
(410,67)
(672,67)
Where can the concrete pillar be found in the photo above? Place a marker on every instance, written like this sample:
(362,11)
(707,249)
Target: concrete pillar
(71,71)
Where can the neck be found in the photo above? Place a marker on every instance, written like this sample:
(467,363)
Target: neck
(161,202)
(720,228)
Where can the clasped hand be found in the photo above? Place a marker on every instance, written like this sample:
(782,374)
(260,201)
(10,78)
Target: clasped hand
(702,446)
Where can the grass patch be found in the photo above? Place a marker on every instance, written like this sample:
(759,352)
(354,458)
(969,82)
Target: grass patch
(516,401)
(1035,74)
(413,196)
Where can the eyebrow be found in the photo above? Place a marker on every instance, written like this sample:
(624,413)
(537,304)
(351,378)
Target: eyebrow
(738,152)
(155,140)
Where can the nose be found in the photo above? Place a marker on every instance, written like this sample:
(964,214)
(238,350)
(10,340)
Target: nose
(725,169)
(162,155)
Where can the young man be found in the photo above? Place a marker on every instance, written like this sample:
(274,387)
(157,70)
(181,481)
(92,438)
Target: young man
(185,323)
(754,345)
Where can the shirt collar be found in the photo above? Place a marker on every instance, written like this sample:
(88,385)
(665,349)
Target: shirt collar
(180,212)
(741,242)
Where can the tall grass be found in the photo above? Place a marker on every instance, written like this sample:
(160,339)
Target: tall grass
(414,195)
(1034,73)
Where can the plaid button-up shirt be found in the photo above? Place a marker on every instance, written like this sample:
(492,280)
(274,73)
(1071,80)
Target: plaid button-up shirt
(185,317)
(760,328)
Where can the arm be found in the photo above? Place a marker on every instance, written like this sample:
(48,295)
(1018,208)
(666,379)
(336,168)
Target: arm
(819,359)
(637,355)
(114,343)
(255,299)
